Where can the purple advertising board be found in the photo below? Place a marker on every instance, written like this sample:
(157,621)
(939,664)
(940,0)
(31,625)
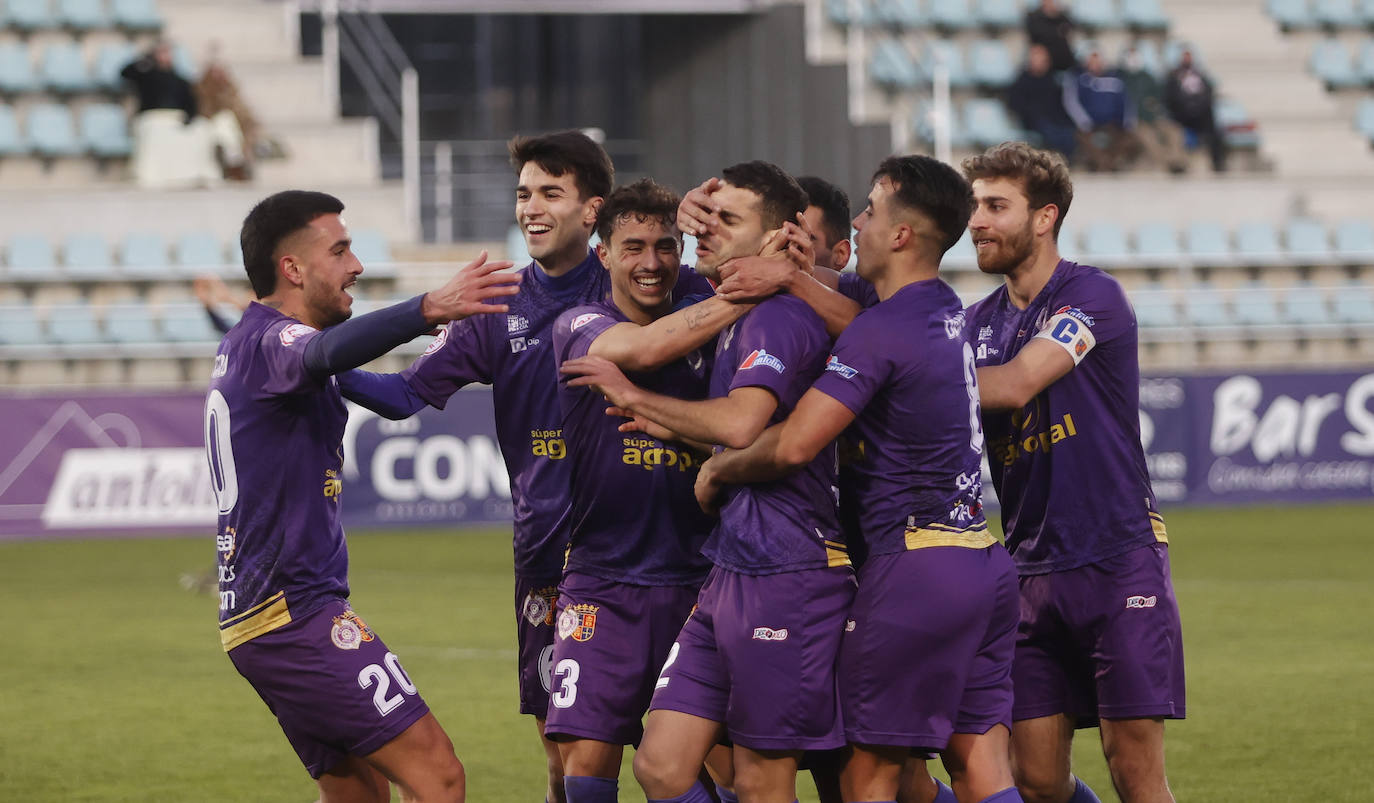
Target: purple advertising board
(96,464)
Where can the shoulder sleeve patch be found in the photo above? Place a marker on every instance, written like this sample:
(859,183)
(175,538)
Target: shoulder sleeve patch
(294,332)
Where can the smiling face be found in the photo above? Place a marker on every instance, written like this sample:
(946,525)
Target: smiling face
(555,220)
(1003,225)
(320,260)
(740,233)
(643,258)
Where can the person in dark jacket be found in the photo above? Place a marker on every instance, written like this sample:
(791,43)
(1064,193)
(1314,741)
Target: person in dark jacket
(1037,99)
(1051,26)
(157,84)
(1096,100)
(1189,98)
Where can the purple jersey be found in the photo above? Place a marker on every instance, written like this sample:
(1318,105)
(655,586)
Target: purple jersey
(1068,467)
(514,354)
(635,518)
(788,524)
(912,476)
(274,435)
(858,289)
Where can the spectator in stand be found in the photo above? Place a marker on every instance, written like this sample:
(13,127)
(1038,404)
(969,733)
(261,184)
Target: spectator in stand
(236,129)
(1051,26)
(1037,98)
(1189,99)
(1096,100)
(158,85)
(1160,137)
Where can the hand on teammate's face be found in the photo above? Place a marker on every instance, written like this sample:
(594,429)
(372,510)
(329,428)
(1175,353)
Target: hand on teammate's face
(749,279)
(466,293)
(698,213)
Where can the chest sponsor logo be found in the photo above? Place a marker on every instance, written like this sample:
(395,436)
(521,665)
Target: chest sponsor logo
(539,606)
(834,365)
(349,632)
(1142,602)
(985,333)
(519,344)
(649,454)
(333,486)
(985,351)
(761,358)
(578,622)
(769,634)
(294,332)
(438,342)
(515,324)
(1031,438)
(584,319)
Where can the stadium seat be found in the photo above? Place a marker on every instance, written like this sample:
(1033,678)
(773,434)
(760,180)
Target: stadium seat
(1156,244)
(906,14)
(962,256)
(1255,305)
(1257,243)
(1305,242)
(16,69)
(1096,15)
(131,323)
(1364,62)
(30,256)
(952,15)
(1336,13)
(144,254)
(51,131)
(63,68)
(1207,244)
(74,324)
(1292,15)
(187,323)
(1155,308)
(1237,124)
(1068,242)
(136,15)
(1355,240)
(105,130)
(1104,243)
(991,64)
(29,15)
(109,60)
(371,249)
(689,250)
(1367,12)
(19,326)
(83,15)
(923,123)
(1204,307)
(891,66)
(948,52)
(198,252)
(1000,14)
(1353,303)
(1144,15)
(1150,59)
(1332,63)
(86,256)
(11,141)
(1304,304)
(515,247)
(1364,118)
(988,123)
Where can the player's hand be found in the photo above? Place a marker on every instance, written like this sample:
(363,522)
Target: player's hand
(638,423)
(707,489)
(697,213)
(601,375)
(468,291)
(796,241)
(746,279)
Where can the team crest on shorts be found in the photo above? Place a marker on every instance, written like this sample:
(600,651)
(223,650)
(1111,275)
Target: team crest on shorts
(578,622)
(349,631)
(540,605)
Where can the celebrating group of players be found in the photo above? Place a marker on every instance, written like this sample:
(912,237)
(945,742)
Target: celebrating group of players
(748,497)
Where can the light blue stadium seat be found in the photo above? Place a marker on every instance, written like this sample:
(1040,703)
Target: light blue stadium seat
(1150,59)
(105,130)
(952,15)
(1208,244)
(51,131)
(235,266)
(962,255)
(187,323)
(86,256)
(109,60)
(16,69)
(1236,123)
(1336,13)
(371,249)
(1097,14)
(144,255)
(689,250)
(843,12)
(923,122)
(197,252)
(30,15)
(83,15)
(131,323)
(136,15)
(1257,243)
(1332,63)
(74,324)
(1304,304)
(1364,118)
(1353,303)
(1157,244)
(1155,308)
(906,14)
(1355,240)
(892,67)
(63,68)
(1144,15)
(1203,306)
(988,123)
(1000,14)
(30,256)
(951,54)
(1364,62)
(1105,243)
(11,140)
(1367,12)
(1306,243)
(1292,15)
(1256,305)
(1068,242)
(19,326)
(991,64)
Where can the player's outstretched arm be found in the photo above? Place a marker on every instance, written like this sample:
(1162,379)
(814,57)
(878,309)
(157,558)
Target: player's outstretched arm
(644,348)
(757,277)
(1012,386)
(468,292)
(734,420)
(387,395)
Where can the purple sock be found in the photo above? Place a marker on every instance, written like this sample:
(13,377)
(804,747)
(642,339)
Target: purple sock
(589,789)
(1008,795)
(726,795)
(697,794)
(943,794)
(1082,794)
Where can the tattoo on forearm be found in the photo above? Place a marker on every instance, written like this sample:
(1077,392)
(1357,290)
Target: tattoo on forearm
(696,317)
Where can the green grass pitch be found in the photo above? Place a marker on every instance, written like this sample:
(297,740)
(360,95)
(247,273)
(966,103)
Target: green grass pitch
(113,686)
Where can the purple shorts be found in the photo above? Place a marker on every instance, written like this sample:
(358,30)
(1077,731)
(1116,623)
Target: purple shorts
(929,649)
(334,687)
(536,603)
(611,643)
(1101,641)
(759,655)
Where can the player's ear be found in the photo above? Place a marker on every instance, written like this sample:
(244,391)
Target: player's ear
(601,253)
(902,235)
(591,209)
(840,253)
(1045,217)
(289,269)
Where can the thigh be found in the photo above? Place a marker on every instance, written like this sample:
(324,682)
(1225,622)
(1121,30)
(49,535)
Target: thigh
(536,602)
(693,678)
(1051,673)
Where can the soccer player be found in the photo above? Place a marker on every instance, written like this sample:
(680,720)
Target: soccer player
(1100,639)
(827,218)
(756,659)
(274,423)
(633,569)
(926,660)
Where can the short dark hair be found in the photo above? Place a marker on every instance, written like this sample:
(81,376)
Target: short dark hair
(834,206)
(782,198)
(1043,175)
(275,218)
(933,188)
(564,151)
(645,199)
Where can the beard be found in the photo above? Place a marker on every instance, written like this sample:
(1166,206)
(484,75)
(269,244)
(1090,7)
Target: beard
(1008,253)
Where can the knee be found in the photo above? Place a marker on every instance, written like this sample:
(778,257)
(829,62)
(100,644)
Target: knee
(660,775)
(452,782)
(1038,785)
